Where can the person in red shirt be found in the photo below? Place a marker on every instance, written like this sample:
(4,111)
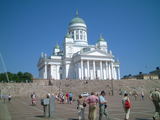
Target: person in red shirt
(67,97)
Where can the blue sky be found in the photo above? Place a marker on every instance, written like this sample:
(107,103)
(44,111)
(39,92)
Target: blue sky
(130,27)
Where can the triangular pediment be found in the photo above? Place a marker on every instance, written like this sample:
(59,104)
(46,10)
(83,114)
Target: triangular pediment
(95,53)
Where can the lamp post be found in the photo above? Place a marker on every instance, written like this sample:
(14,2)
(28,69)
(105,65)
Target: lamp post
(112,87)
(4,67)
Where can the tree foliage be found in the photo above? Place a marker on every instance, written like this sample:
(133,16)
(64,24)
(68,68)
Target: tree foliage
(19,77)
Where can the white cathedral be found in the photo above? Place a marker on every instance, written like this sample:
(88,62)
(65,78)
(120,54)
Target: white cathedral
(79,60)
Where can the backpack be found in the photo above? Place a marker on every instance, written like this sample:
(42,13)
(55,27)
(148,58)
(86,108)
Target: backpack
(127,104)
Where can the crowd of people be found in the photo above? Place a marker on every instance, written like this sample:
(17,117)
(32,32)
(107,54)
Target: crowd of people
(95,101)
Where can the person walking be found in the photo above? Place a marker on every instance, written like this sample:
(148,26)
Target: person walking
(103,106)
(70,97)
(126,106)
(81,107)
(92,100)
(155,97)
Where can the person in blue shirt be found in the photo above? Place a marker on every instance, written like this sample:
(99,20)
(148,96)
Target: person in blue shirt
(103,106)
(70,97)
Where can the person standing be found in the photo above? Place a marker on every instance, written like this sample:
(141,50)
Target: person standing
(92,100)
(103,106)
(142,95)
(67,97)
(155,97)
(81,107)
(70,97)
(33,97)
(9,97)
(126,105)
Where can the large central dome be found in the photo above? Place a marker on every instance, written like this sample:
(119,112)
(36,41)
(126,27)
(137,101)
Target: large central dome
(77,19)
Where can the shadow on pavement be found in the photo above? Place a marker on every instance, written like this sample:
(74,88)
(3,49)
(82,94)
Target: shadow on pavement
(72,119)
(142,119)
(40,116)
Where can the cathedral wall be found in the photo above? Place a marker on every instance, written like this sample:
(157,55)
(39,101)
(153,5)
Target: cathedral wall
(42,87)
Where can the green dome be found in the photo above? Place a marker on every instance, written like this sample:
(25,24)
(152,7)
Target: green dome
(57,46)
(68,35)
(77,20)
(101,38)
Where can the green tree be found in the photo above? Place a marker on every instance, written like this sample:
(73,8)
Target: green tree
(19,77)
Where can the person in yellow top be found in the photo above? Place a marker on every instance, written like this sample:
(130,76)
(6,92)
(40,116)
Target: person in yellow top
(155,97)
(126,105)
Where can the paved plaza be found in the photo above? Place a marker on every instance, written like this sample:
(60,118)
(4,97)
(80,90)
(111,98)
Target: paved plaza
(21,109)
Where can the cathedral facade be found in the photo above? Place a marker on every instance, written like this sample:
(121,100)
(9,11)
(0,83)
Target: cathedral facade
(77,59)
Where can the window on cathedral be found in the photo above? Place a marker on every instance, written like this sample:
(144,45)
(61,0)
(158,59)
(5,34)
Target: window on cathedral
(84,35)
(81,35)
(73,35)
(77,35)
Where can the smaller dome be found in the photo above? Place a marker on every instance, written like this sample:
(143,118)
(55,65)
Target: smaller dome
(68,35)
(101,38)
(57,47)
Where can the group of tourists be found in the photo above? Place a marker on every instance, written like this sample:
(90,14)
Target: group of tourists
(134,93)
(94,100)
(64,98)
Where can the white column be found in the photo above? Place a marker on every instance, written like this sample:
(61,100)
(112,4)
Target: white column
(45,71)
(74,35)
(109,70)
(57,72)
(106,70)
(101,73)
(88,69)
(112,70)
(94,74)
(79,70)
(118,73)
(114,73)
(79,34)
(82,70)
